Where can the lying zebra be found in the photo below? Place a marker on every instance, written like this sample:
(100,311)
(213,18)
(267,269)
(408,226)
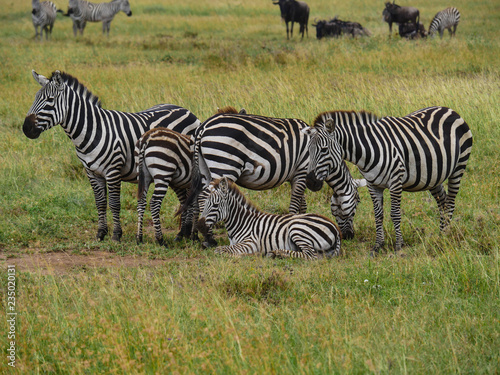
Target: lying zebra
(253,231)
(163,156)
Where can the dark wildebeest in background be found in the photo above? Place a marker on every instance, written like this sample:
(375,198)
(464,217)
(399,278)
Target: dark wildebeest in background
(407,30)
(398,14)
(336,28)
(294,11)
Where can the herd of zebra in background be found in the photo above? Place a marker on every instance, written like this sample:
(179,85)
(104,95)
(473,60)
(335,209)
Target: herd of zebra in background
(168,145)
(82,11)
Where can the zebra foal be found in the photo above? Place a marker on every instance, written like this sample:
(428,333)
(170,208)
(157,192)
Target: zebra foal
(445,19)
(82,11)
(252,231)
(104,139)
(163,156)
(43,15)
(413,153)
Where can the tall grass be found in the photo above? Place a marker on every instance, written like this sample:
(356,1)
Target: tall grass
(435,311)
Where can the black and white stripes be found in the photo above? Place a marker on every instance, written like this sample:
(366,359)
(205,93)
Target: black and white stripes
(82,11)
(254,232)
(445,19)
(104,139)
(43,15)
(412,153)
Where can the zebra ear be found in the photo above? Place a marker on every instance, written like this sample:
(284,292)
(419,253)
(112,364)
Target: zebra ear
(309,131)
(359,182)
(224,184)
(39,78)
(330,125)
(57,79)
(242,111)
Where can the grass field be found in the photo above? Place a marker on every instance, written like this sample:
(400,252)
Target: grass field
(186,310)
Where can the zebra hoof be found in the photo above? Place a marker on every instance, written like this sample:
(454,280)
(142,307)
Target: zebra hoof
(101,233)
(138,240)
(160,241)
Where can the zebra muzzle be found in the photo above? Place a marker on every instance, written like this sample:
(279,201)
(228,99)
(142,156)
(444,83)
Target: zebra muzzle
(29,127)
(313,183)
(202,226)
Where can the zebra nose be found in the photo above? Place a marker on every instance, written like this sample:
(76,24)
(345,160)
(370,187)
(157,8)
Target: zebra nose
(129,14)
(313,183)
(29,127)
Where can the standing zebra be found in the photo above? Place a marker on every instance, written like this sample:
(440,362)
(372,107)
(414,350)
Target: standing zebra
(104,139)
(412,153)
(258,153)
(82,11)
(163,156)
(43,16)
(252,231)
(445,19)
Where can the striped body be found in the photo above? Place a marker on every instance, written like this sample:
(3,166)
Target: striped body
(412,153)
(163,156)
(252,231)
(259,153)
(82,11)
(43,16)
(445,19)
(104,139)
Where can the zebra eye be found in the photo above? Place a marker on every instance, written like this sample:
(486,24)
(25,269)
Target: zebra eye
(324,150)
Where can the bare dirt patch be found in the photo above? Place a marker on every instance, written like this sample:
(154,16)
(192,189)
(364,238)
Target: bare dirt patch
(63,262)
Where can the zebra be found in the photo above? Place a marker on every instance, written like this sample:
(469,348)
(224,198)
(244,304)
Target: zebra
(104,139)
(252,231)
(413,153)
(256,152)
(163,156)
(82,11)
(43,16)
(445,19)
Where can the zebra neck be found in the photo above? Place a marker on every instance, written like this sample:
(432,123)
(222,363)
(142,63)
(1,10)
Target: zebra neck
(241,213)
(84,120)
(355,141)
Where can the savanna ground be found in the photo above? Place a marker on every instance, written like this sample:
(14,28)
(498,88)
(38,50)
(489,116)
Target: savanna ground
(97,307)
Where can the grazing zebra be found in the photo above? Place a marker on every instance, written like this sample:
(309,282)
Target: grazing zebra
(445,19)
(43,16)
(163,156)
(252,231)
(82,11)
(104,139)
(412,153)
(257,153)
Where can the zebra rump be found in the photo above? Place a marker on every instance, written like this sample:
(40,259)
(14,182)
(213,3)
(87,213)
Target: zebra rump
(163,156)
(252,231)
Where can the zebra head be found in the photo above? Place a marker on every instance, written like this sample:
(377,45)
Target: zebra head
(214,205)
(325,154)
(47,109)
(326,160)
(125,7)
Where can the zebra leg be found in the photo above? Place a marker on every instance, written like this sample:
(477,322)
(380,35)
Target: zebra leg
(114,187)
(377,196)
(440,196)
(241,248)
(161,187)
(186,217)
(99,187)
(298,202)
(395,192)
(453,187)
(141,207)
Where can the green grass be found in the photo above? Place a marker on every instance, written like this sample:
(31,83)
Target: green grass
(436,311)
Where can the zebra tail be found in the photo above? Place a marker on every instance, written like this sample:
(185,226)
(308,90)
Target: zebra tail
(142,169)
(196,180)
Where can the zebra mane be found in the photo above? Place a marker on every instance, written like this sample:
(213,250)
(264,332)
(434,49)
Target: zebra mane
(233,189)
(364,116)
(227,109)
(79,88)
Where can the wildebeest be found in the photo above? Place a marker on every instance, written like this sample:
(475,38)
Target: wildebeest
(398,14)
(336,27)
(294,11)
(407,30)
